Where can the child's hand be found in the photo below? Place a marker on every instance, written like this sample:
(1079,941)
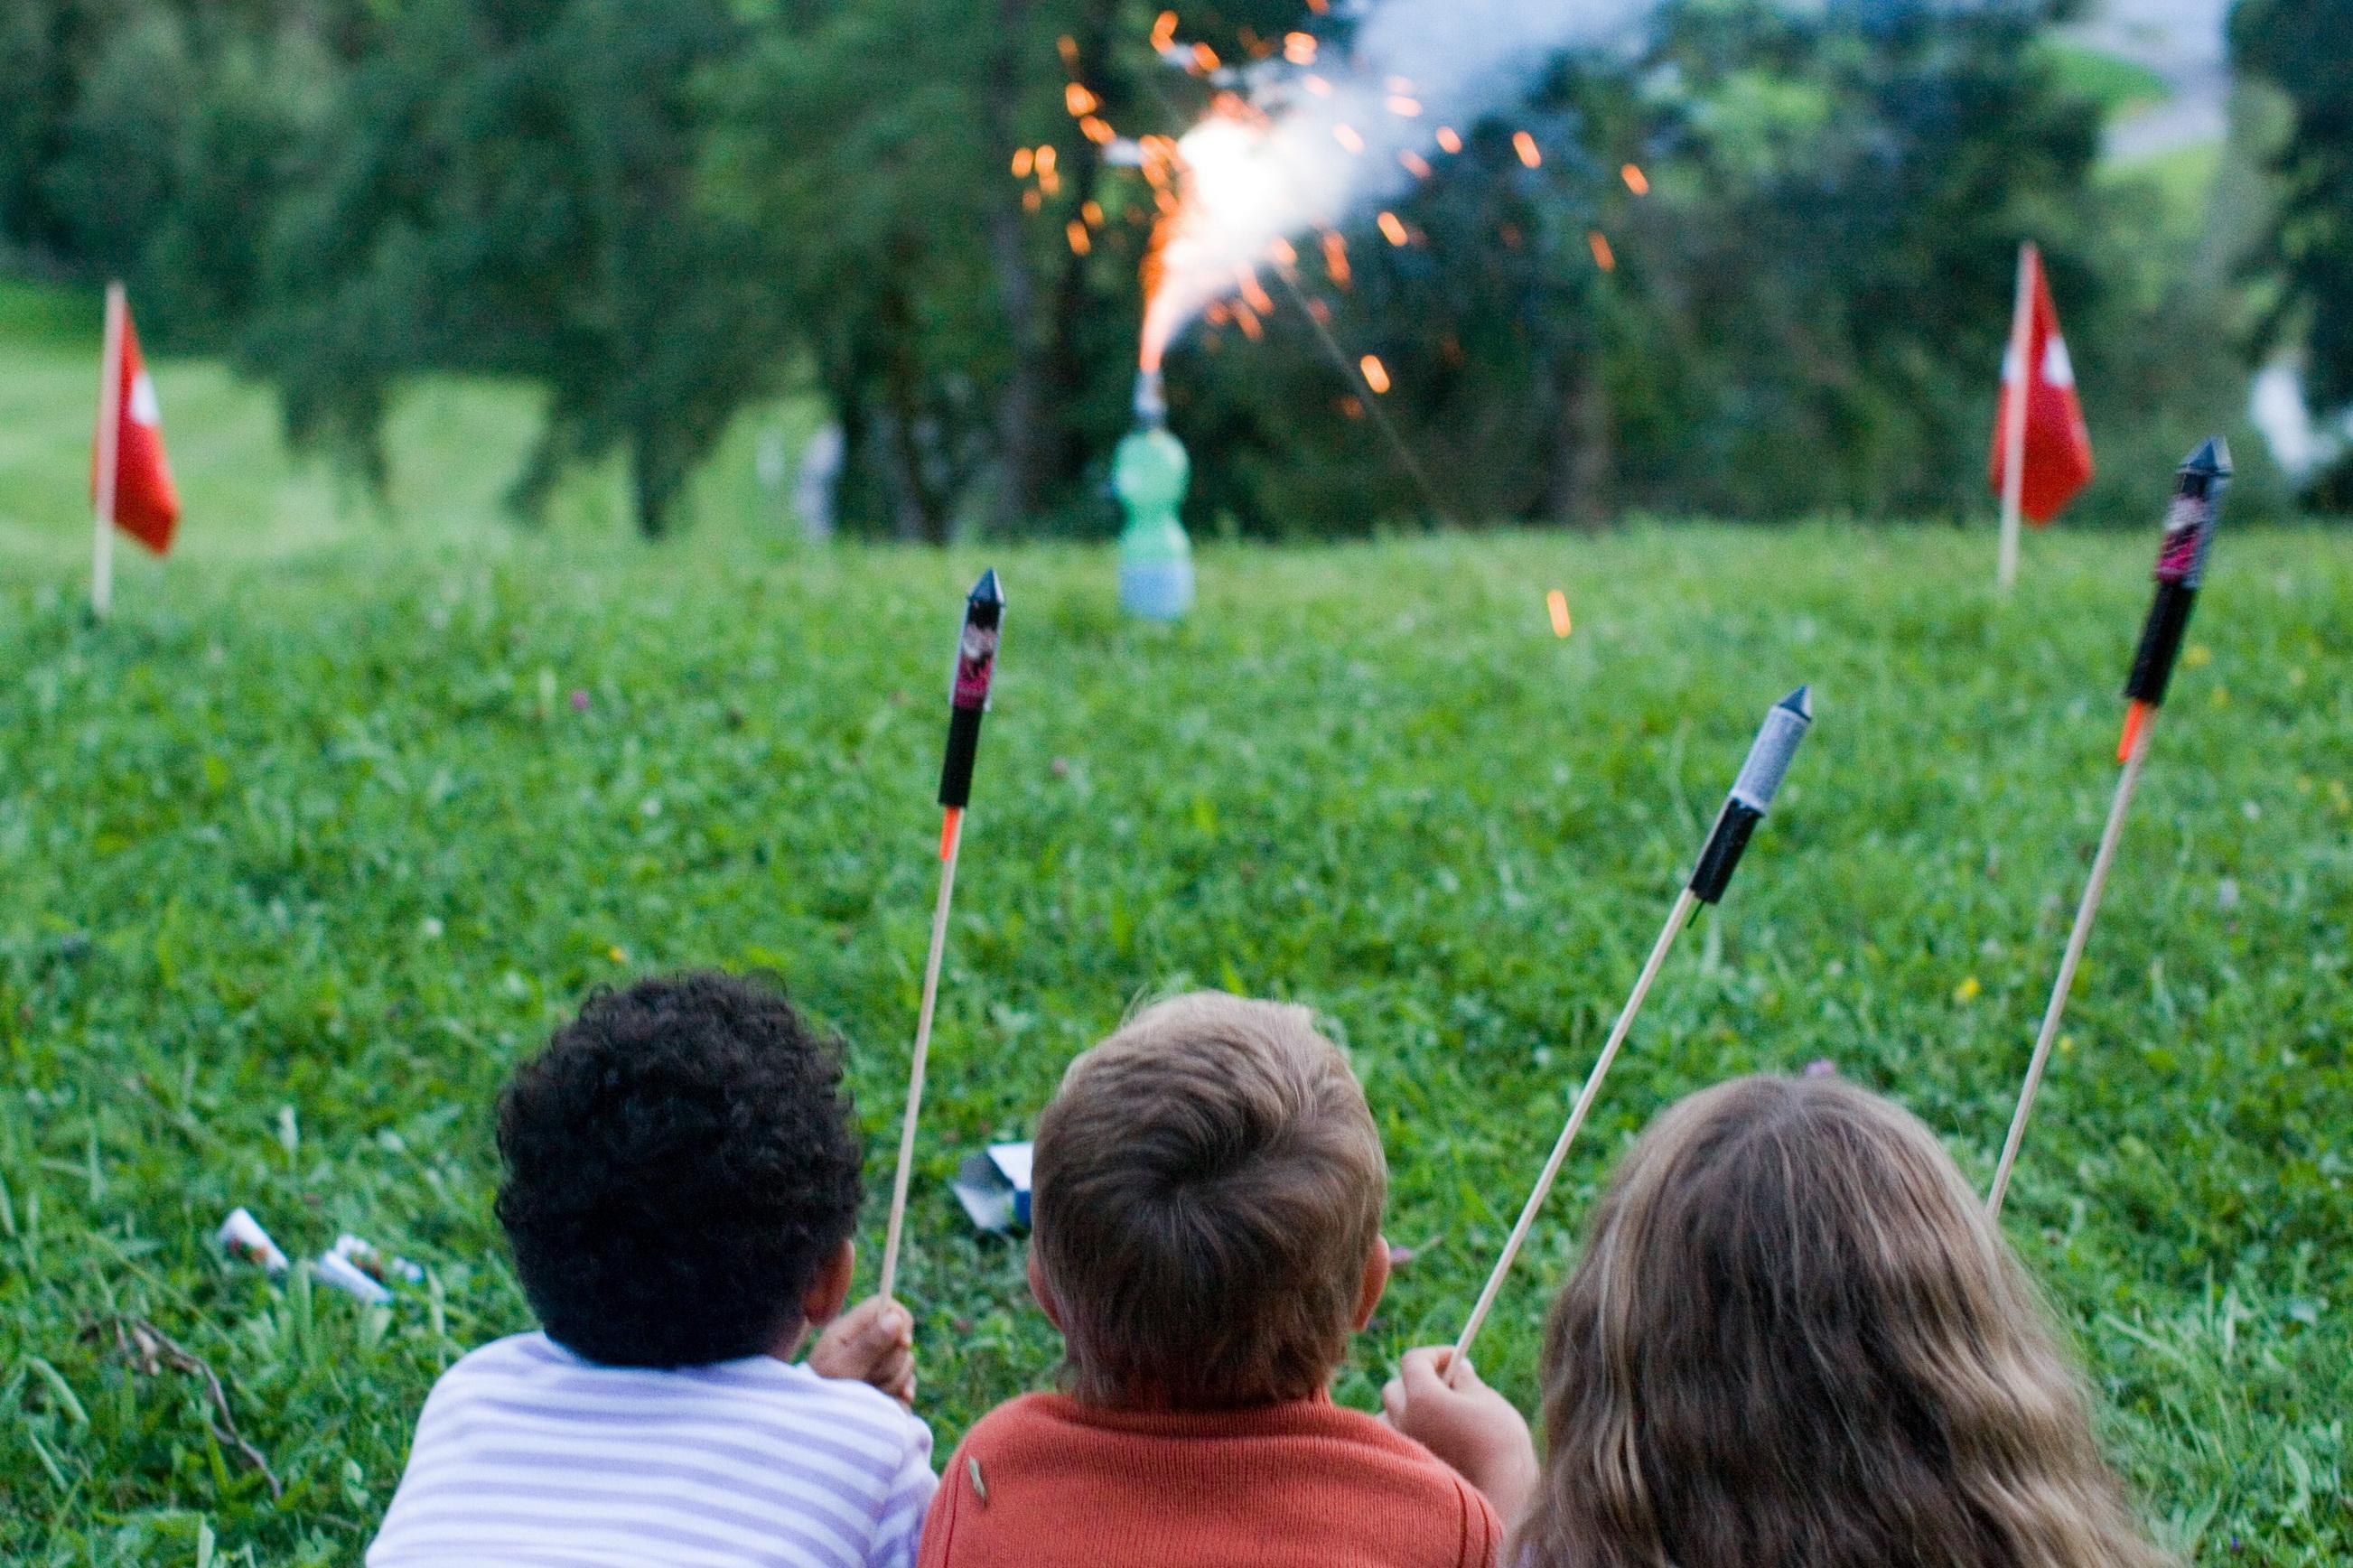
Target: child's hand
(1466,1424)
(874,1343)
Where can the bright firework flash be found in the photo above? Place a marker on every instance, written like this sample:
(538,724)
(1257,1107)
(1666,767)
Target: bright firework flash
(2180,567)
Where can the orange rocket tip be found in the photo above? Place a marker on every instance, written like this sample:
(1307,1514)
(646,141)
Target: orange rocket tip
(951,825)
(2136,720)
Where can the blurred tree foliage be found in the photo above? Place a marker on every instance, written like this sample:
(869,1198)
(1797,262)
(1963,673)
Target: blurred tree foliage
(2304,49)
(660,211)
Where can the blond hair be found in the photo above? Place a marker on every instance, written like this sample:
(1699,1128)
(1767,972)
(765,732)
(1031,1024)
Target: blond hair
(1794,1341)
(1207,1189)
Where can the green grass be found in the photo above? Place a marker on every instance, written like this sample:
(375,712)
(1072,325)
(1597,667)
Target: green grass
(307,847)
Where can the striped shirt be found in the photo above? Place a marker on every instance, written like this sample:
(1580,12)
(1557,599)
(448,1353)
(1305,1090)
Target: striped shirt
(527,1455)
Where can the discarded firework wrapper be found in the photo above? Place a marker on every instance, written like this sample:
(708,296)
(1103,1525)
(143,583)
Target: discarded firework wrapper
(2180,567)
(334,1268)
(376,1264)
(1785,725)
(993,1187)
(984,615)
(242,1237)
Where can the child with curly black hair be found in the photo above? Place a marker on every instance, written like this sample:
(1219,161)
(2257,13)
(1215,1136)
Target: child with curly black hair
(681,1184)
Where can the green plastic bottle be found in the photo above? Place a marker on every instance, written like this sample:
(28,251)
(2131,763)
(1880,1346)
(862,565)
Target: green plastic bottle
(1149,473)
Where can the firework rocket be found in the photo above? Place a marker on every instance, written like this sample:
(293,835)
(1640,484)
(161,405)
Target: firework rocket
(1785,725)
(975,667)
(2181,565)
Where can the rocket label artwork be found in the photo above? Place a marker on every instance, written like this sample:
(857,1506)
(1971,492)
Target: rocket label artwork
(975,663)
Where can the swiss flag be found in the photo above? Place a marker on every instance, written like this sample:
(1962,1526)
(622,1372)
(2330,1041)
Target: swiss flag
(140,497)
(2058,448)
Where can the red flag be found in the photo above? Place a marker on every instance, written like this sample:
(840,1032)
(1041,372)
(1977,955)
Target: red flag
(2058,448)
(145,504)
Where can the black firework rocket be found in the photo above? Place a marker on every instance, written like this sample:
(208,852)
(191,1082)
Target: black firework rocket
(976,669)
(1751,797)
(2180,567)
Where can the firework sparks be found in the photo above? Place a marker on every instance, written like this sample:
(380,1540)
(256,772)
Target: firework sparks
(1393,228)
(1603,257)
(1376,373)
(1557,603)
(1636,181)
(1414,163)
(1526,146)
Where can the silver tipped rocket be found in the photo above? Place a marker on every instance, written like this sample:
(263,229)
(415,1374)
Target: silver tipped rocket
(1785,725)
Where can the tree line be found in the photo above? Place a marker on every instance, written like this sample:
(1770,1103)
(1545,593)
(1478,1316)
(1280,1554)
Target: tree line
(1761,268)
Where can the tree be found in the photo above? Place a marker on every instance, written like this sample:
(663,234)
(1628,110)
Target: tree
(511,188)
(2301,47)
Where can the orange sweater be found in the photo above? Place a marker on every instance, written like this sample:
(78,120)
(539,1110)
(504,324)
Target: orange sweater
(1047,1482)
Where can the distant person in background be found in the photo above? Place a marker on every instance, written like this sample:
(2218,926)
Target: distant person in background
(1793,1341)
(682,1183)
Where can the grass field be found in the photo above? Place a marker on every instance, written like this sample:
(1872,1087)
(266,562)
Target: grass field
(312,841)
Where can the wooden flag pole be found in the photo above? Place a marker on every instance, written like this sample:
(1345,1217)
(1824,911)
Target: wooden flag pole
(2015,393)
(110,437)
(950,845)
(1676,919)
(2076,938)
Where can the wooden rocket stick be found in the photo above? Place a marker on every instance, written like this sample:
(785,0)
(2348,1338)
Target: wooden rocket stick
(950,845)
(2076,938)
(1686,901)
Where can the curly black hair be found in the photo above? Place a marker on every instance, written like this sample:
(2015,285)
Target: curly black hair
(681,1161)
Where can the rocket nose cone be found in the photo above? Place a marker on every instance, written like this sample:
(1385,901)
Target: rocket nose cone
(1800,703)
(2212,456)
(986,591)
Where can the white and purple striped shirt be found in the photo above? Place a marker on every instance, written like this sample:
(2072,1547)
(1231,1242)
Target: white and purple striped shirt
(527,1455)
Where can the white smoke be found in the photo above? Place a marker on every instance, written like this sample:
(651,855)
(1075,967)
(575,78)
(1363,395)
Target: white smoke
(1338,135)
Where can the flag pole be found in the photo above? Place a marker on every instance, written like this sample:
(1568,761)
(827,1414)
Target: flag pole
(110,436)
(1785,723)
(2015,393)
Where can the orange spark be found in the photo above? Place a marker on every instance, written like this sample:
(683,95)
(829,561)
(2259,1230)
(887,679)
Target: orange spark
(1164,30)
(1045,160)
(1319,7)
(1023,161)
(1320,311)
(1247,319)
(1636,181)
(1603,257)
(1078,100)
(1335,258)
(1526,146)
(1282,252)
(1097,129)
(1318,85)
(1205,57)
(1392,227)
(1353,406)
(1299,49)
(1048,181)
(1557,603)
(1346,135)
(1450,139)
(1032,200)
(1403,106)
(1216,313)
(1415,164)
(1080,241)
(1254,291)
(1092,212)
(1399,84)
(1069,47)
(1376,374)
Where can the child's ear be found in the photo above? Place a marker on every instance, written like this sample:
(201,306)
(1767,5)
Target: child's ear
(1376,1280)
(830,1291)
(1045,1297)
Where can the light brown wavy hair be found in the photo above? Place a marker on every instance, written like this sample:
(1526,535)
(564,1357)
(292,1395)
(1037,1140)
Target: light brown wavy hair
(1793,1341)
